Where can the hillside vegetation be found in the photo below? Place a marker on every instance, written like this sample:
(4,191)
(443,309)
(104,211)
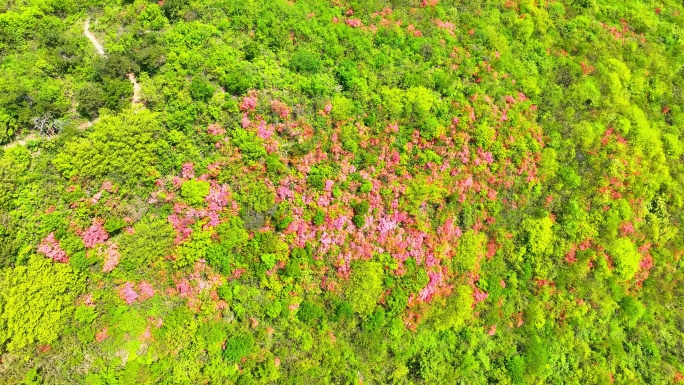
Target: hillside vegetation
(341,192)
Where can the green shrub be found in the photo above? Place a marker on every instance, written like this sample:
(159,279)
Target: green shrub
(194,191)
(237,347)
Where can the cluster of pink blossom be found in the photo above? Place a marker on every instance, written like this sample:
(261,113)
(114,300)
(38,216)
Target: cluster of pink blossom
(354,23)
(436,280)
(471,174)
(384,13)
(128,293)
(217,201)
(627,228)
(215,129)
(181,223)
(448,26)
(202,279)
(484,156)
(249,103)
(95,234)
(414,31)
(188,170)
(111,258)
(50,248)
(265,131)
(280,108)
(146,291)
(479,296)
(218,198)
(96,197)
(102,334)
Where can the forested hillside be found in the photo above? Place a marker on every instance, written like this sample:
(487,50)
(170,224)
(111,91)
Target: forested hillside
(341,192)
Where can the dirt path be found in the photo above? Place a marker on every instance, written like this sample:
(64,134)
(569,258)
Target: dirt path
(86,31)
(135,100)
(21,142)
(136,89)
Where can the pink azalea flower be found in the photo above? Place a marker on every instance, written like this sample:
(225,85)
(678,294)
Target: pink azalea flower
(354,23)
(429,291)
(280,108)
(245,122)
(184,288)
(112,257)
(215,129)
(479,296)
(188,170)
(50,248)
(248,103)
(102,334)
(146,290)
(95,234)
(127,293)
(96,197)
(264,131)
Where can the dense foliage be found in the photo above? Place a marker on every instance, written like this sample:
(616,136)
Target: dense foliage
(343,192)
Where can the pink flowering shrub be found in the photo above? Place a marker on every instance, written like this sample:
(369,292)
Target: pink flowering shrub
(95,234)
(111,259)
(215,129)
(479,296)
(127,293)
(264,131)
(188,170)
(249,103)
(146,291)
(280,108)
(51,249)
(354,23)
(102,334)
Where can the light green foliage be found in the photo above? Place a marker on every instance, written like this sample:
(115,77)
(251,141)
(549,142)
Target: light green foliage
(365,287)
(538,234)
(249,144)
(420,106)
(471,247)
(421,191)
(13,164)
(633,310)
(455,311)
(256,196)
(342,109)
(237,347)
(192,250)
(626,258)
(194,191)
(37,302)
(126,149)
(151,240)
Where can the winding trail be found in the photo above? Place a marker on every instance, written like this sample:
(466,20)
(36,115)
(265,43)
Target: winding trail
(135,100)
(136,89)
(86,31)
(20,142)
